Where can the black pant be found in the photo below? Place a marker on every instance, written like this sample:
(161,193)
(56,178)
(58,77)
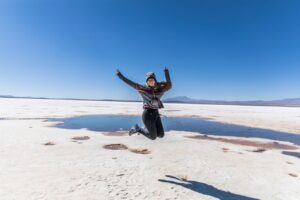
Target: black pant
(152,121)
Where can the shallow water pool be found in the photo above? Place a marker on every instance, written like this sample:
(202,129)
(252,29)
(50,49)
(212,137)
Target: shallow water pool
(113,123)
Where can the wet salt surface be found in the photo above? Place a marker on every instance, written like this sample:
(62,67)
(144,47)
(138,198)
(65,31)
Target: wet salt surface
(111,123)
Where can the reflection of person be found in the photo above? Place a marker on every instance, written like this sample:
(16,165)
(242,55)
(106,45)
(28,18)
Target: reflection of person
(151,94)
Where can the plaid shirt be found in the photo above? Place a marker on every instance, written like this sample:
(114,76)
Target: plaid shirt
(151,95)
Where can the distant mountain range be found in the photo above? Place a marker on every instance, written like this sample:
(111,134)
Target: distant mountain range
(281,102)
(294,102)
(78,99)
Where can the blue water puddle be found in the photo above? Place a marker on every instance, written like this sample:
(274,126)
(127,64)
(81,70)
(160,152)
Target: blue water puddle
(112,123)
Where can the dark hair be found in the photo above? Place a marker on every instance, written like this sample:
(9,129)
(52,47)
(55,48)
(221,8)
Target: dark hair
(150,75)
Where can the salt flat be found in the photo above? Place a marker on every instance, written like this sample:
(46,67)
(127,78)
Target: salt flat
(176,167)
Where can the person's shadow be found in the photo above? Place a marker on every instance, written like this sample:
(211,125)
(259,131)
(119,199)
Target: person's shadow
(206,189)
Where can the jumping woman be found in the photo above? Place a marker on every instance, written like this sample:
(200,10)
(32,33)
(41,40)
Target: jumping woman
(151,93)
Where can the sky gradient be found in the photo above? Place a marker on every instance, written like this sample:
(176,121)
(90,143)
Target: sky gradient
(214,49)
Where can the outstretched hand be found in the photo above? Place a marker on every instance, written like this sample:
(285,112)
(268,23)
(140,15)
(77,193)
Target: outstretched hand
(166,68)
(118,72)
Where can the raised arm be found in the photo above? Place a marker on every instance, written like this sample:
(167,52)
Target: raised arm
(167,75)
(168,84)
(129,82)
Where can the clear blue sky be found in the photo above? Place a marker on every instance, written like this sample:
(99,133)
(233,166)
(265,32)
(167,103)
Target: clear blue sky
(215,49)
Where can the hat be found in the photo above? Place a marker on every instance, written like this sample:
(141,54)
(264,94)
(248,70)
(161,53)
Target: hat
(150,75)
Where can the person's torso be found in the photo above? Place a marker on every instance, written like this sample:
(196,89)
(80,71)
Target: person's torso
(152,97)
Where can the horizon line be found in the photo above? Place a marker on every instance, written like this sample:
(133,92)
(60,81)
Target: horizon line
(93,99)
